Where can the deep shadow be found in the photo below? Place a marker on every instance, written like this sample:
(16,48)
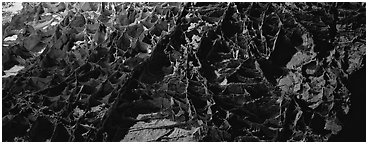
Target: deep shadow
(354,123)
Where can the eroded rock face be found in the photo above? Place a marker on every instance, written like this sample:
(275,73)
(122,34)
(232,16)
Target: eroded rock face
(188,72)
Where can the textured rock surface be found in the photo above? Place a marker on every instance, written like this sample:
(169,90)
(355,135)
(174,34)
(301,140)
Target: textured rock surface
(185,72)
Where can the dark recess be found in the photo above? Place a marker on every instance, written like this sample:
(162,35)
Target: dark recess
(355,121)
